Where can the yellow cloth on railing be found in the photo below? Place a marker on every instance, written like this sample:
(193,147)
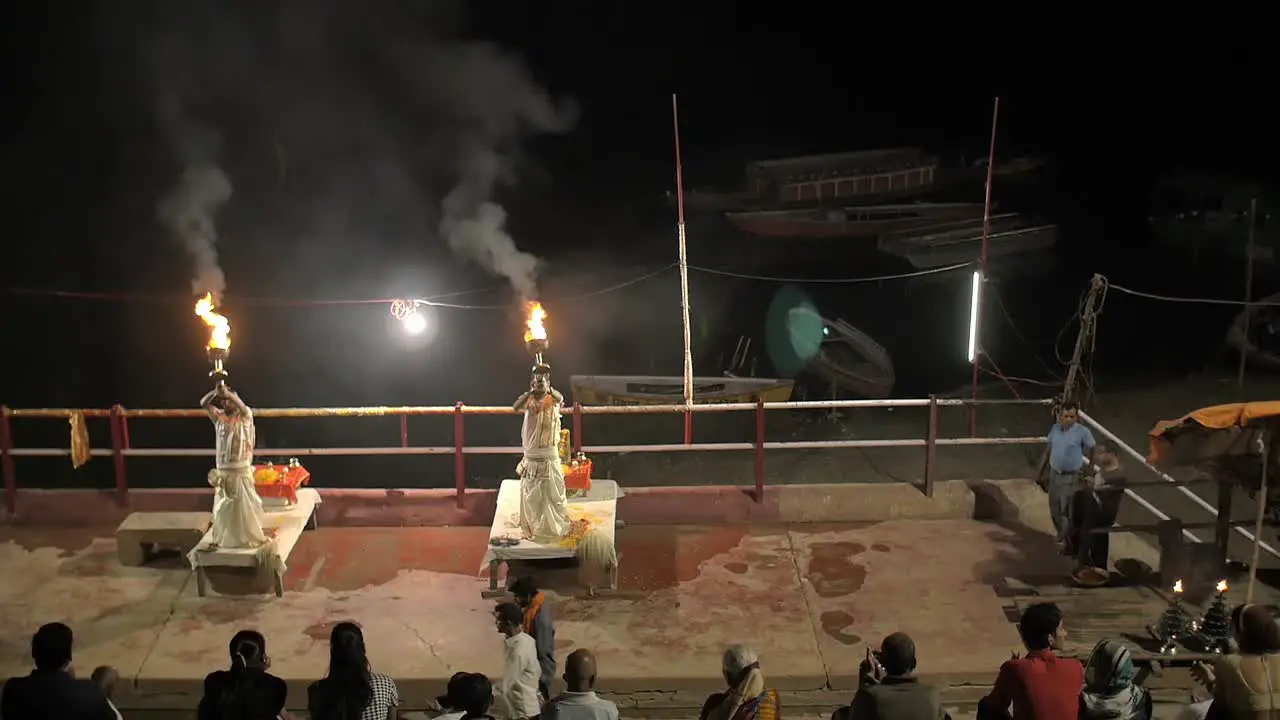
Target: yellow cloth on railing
(80,450)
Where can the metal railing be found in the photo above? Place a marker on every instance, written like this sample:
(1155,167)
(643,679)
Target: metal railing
(121,448)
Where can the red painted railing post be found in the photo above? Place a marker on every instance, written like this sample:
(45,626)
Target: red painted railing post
(931,447)
(404,430)
(577,428)
(759,449)
(117,453)
(6,463)
(459,459)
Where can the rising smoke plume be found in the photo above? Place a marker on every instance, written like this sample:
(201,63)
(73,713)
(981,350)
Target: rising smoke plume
(187,211)
(393,127)
(499,104)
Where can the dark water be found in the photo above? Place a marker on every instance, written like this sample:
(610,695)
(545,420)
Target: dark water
(147,354)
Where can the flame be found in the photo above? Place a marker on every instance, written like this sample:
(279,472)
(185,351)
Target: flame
(1222,586)
(219,326)
(1177,586)
(537,329)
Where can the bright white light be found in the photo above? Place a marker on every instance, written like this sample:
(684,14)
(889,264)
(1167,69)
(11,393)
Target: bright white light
(973,316)
(414,323)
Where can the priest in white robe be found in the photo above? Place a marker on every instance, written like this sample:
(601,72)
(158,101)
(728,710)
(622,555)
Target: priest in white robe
(237,509)
(544,507)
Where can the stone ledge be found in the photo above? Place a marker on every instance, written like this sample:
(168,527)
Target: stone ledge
(673,704)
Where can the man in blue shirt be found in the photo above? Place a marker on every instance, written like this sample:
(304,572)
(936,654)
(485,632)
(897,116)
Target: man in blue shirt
(1071,447)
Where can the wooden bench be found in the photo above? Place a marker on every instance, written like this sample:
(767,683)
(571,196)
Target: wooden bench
(144,532)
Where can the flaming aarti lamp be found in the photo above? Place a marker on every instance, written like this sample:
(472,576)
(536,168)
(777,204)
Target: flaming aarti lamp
(1216,625)
(535,338)
(1174,624)
(219,346)
(217,360)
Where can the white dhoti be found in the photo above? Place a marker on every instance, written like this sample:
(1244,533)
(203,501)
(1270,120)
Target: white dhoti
(237,510)
(544,507)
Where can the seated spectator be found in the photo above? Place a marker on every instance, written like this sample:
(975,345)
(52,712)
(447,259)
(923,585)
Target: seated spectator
(1246,685)
(1040,686)
(747,698)
(51,690)
(449,705)
(1109,689)
(350,690)
(106,677)
(888,688)
(579,701)
(246,691)
(476,694)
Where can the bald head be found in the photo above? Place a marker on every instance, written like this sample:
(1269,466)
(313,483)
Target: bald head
(580,670)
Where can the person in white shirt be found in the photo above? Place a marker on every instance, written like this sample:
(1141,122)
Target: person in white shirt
(579,701)
(518,690)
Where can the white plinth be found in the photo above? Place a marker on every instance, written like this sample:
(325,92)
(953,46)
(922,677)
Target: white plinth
(288,522)
(599,506)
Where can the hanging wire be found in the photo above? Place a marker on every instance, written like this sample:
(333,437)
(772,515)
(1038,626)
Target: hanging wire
(432,300)
(1200,300)
(834,281)
(435,300)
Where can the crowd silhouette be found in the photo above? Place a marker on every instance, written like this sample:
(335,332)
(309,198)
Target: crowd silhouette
(1039,683)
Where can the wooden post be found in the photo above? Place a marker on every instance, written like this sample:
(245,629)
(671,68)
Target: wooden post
(1266,442)
(1222,527)
(1084,338)
(1248,307)
(931,447)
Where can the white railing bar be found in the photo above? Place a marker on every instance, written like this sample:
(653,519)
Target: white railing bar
(695,447)
(990,441)
(826,444)
(1163,476)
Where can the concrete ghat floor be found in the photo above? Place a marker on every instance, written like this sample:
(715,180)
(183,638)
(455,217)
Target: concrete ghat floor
(807,597)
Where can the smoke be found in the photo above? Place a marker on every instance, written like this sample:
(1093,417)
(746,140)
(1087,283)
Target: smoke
(497,104)
(392,130)
(187,211)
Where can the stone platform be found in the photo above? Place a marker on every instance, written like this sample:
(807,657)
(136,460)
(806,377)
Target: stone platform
(808,597)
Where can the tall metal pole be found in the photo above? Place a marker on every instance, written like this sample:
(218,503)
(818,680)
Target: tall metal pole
(1248,290)
(684,282)
(986,236)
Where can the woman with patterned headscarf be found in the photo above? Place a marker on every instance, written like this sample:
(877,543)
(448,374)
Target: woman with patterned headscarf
(747,697)
(1109,690)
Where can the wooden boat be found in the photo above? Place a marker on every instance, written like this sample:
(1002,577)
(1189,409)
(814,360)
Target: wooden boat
(668,390)
(855,221)
(960,241)
(841,177)
(1257,334)
(1209,216)
(853,362)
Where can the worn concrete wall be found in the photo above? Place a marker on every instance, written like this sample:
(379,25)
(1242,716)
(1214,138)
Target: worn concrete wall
(704,505)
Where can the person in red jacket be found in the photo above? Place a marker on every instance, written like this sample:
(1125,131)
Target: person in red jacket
(1039,685)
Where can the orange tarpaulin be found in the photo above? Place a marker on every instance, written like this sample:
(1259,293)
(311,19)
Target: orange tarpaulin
(1217,417)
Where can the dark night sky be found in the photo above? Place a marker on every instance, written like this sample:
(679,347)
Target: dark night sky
(90,164)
